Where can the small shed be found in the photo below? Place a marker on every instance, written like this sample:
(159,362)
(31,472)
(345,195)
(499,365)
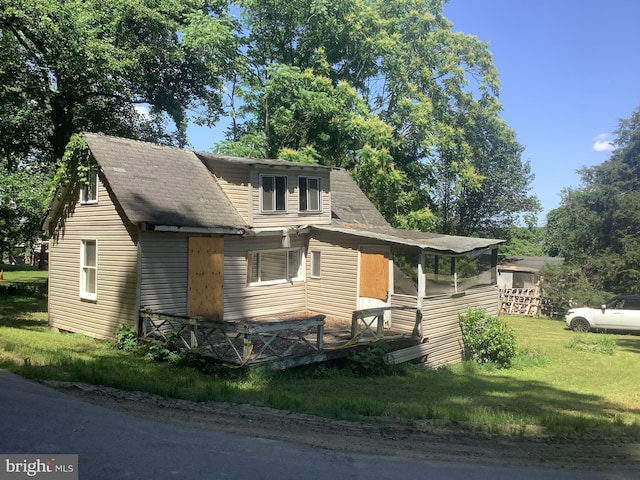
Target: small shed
(519,281)
(522,271)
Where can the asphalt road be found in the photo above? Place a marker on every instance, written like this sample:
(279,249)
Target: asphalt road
(35,419)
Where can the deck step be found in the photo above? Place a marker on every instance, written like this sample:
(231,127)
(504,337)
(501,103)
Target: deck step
(408,354)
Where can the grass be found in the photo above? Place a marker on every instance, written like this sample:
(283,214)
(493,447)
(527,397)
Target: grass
(21,274)
(562,383)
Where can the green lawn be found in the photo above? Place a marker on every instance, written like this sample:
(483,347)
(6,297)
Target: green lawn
(562,383)
(14,274)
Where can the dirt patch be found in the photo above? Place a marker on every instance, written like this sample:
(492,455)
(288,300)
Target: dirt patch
(425,440)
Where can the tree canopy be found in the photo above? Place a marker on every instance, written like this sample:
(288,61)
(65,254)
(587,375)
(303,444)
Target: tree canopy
(389,91)
(383,88)
(124,67)
(73,66)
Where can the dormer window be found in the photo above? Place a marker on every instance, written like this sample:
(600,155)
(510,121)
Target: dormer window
(309,194)
(273,193)
(89,191)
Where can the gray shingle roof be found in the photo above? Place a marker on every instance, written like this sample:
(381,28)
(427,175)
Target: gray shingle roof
(354,214)
(350,207)
(258,161)
(162,185)
(533,264)
(172,187)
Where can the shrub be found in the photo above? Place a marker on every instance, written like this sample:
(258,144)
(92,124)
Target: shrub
(487,339)
(371,361)
(126,338)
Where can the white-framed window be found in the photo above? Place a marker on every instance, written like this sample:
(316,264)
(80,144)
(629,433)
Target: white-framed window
(309,194)
(315,264)
(89,269)
(89,191)
(275,266)
(273,193)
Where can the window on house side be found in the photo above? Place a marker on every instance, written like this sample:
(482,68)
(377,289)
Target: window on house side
(89,191)
(315,264)
(89,269)
(309,194)
(275,266)
(274,193)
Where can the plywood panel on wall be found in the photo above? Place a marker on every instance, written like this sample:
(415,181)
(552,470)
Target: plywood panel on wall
(374,274)
(206,277)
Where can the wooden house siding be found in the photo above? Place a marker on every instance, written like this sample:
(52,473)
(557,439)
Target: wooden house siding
(164,277)
(440,322)
(336,291)
(404,320)
(164,272)
(292,216)
(234,180)
(247,301)
(117,271)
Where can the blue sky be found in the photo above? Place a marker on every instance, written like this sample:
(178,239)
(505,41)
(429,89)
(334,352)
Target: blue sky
(569,71)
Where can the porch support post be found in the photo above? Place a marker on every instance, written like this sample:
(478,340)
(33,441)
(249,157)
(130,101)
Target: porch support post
(422,279)
(422,286)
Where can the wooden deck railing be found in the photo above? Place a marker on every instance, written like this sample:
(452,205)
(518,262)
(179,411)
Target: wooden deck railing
(235,342)
(363,322)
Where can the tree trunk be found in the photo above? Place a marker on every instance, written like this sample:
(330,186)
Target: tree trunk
(62,121)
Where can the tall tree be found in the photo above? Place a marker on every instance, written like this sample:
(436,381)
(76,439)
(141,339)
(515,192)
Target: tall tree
(22,197)
(69,66)
(73,66)
(340,80)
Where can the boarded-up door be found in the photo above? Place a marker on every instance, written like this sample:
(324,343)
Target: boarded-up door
(373,286)
(374,274)
(206,277)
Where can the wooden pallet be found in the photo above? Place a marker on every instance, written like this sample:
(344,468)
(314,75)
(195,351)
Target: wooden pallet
(521,301)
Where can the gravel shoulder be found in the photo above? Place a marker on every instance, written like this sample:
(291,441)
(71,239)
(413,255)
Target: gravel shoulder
(424,440)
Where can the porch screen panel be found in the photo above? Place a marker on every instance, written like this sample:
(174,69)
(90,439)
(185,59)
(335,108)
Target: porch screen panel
(205,295)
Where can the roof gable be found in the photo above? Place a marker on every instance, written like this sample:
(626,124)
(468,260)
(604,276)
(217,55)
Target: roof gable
(161,185)
(169,188)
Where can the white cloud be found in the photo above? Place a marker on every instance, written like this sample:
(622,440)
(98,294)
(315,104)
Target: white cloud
(603,143)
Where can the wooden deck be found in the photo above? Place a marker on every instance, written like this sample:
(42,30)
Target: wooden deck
(283,342)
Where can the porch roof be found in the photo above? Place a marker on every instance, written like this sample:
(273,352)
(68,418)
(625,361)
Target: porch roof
(431,242)
(352,213)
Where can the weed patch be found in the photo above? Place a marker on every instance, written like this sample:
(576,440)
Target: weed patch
(597,343)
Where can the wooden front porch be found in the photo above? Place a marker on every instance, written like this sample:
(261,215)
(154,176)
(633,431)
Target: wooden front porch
(286,341)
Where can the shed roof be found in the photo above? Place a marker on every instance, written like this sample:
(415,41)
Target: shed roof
(161,185)
(433,242)
(527,264)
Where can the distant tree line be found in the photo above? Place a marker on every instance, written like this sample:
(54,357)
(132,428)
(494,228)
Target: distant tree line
(596,228)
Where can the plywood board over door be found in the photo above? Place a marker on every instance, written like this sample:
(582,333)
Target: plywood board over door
(374,273)
(373,280)
(205,295)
